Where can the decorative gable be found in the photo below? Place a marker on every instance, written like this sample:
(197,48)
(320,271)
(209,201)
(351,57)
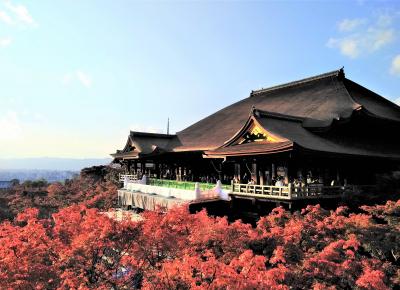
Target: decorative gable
(251,132)
(256,133)
(129,146)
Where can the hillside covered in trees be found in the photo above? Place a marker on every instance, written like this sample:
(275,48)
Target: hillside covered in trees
(57,237)
(95,187)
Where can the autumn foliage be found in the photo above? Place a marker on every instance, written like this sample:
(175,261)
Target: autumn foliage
(81,248)
(92,188)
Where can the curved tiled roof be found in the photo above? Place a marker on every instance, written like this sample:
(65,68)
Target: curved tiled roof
(295,134)
(331,143)
(299,109)
(143,143)
(252,149)
(322,98)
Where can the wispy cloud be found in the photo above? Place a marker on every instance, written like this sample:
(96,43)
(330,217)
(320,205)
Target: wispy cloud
(351,24)
(5,41)
(395,66)
(347,46)
(363,39)
(385,19)
(82,77)
(10,126)
(16,14)
(4,17)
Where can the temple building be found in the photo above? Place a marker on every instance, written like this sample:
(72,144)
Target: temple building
(322,131)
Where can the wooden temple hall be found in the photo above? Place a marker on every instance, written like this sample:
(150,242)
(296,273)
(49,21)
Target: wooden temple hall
(311,138)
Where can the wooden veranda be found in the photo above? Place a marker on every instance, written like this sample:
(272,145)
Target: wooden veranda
(291,193)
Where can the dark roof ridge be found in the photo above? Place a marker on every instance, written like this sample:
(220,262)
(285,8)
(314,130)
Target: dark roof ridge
(262,113)
(376,95)
(306,122)
(336,73)
(148,134)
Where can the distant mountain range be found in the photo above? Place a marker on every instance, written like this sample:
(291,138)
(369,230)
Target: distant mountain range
(35,174)
(47,163)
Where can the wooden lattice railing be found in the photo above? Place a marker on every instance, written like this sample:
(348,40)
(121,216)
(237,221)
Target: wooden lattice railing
(128,177)
(262,191)
(295,193)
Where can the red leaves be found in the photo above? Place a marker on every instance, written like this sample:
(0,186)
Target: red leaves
(372,279)
(28,215)
(50,198)
(278,256)
(81,248)
(25,253)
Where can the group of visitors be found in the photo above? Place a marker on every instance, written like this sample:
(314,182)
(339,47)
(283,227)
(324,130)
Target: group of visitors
(278,180)
(296,182)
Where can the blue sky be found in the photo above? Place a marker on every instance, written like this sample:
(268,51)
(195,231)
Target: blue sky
(76,76)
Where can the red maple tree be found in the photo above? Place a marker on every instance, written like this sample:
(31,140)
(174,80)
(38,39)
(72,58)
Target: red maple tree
(82,248)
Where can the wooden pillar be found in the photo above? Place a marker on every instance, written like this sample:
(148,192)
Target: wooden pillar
(254,172)
(273,171)
(123,164)
(286,174)
(128,165)
(157,169)
(162,170)
(220,172)
(237,172)
(261,176)
(338,176)
(142,168)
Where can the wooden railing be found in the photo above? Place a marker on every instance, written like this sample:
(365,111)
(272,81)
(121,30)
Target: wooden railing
(319,191)
(262,191)
(296,193)
(128,177)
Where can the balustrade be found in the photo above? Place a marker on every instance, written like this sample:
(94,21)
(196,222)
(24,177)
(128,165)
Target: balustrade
(294,193)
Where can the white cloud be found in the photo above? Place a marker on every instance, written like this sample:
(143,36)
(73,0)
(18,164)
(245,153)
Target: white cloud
(379,38)
(363,40)
(20,14)
(67,78)
(38,117)
(80,76)
(397,101)
(5,41)
(350,24)
(10,126)
(84,78)
(384,20)
(347,46)
(16,14)
(395,67)
(6,18)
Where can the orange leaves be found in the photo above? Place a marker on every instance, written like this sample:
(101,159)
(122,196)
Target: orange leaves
(278,256)
(76,250)
(25,253)
(50,198)
(81,248)
(28,215)
(372,279)
(352,242)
